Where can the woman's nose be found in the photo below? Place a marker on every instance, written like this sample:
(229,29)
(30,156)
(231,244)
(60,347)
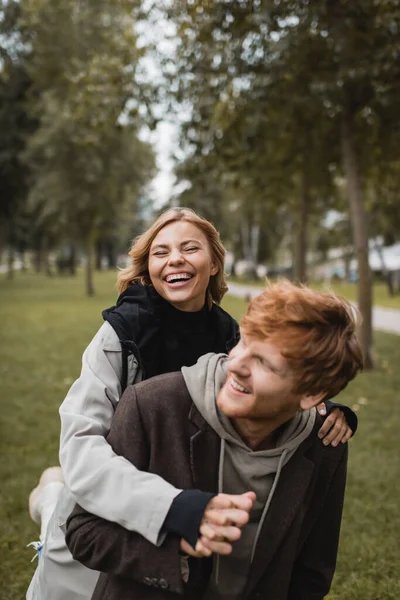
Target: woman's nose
(176,256)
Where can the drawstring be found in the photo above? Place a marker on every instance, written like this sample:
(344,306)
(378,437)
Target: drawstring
(220,486)
(38,546)
(268,502)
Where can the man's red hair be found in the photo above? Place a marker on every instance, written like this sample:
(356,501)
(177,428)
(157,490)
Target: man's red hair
(315,331)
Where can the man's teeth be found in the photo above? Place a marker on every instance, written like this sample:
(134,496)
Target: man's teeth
(180,277)
(238,387)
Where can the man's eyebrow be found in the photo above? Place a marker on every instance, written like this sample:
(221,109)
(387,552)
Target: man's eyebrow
(275,368)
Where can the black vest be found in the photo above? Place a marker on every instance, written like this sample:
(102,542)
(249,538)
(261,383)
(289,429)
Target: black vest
(137,319)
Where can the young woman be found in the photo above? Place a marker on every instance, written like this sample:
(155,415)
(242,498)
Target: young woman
(166,317)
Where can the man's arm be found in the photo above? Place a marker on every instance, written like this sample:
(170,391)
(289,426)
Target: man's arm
(315,566)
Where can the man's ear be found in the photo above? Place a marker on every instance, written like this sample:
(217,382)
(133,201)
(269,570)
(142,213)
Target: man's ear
(308,402)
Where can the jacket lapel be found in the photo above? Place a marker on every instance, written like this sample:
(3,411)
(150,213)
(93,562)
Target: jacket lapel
(204,453)
(287,500)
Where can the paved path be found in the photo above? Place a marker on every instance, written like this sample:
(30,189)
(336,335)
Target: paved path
(384,319)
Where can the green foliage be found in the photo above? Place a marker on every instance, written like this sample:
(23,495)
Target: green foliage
(86,161)
(46,324)
(284,98)
(86,152)
(15,127)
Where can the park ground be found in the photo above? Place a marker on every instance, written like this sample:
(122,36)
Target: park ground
(45,325)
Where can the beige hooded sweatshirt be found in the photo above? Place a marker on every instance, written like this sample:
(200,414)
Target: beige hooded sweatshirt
(241,470)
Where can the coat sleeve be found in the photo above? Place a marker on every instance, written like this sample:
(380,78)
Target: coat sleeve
(110,548)
(314,568)
(350,415)
(102,482)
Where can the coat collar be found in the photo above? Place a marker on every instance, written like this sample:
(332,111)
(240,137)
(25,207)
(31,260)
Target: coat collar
(204,453)
(288,498)
(289,495)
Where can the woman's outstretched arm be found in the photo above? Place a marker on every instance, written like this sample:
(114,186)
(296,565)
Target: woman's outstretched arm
(103,483)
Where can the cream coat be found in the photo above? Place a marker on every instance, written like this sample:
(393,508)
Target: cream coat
(96,478)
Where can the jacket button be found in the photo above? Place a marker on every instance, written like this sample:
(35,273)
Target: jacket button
(163,583)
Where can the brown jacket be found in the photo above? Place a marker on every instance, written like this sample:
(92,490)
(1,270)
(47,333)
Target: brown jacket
(158,428)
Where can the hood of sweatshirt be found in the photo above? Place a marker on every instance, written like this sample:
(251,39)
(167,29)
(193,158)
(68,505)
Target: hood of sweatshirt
(241,469)
(205,379)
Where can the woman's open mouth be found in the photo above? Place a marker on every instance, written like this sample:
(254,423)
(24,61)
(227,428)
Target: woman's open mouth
(178,280)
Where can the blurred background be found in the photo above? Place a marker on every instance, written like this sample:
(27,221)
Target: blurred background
(277,120)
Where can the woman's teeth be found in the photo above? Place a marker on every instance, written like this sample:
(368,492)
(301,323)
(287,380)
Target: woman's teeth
(177,278)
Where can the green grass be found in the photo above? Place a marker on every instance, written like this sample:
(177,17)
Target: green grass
(45,326)
(347,290)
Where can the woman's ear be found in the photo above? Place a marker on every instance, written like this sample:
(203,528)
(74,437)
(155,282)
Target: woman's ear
(308,402)
(214,269)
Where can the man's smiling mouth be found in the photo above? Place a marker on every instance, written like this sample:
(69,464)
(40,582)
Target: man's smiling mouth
(236,386)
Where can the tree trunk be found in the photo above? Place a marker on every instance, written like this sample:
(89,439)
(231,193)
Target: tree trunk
(358,217)
(111,257)
(250,242)
(38,258)
(89,264)
(347,260)
(72,259)
(23,262)
(300,233)
(45,257)
(10,263)
(387,275)
(99,252)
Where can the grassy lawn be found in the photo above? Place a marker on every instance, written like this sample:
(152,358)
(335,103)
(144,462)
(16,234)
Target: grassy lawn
(347,290)
(45,326)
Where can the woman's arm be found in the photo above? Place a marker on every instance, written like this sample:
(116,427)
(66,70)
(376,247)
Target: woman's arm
(108,547)
(339,425)
(100,481)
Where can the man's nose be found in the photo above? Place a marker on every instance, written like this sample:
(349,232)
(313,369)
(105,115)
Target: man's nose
(238,361)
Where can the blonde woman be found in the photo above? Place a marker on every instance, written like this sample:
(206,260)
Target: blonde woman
(166,317)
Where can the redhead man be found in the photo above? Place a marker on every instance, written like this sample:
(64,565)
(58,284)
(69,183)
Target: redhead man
(237,424)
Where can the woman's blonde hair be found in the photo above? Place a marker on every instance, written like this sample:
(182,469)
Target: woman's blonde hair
(137,271)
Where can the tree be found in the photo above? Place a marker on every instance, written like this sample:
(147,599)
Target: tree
(317,71)
(86,152)
(15,127)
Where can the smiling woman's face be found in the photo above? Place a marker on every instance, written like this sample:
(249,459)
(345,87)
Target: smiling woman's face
(181,264)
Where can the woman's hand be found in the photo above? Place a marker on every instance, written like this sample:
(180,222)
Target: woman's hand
(221,525)
(335,428)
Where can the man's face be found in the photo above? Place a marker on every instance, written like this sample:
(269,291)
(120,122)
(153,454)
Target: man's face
(259,384)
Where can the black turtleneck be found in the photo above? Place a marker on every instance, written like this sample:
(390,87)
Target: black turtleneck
(185,337)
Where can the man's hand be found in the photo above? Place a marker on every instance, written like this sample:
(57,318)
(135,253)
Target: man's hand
(335,428)
(223,519)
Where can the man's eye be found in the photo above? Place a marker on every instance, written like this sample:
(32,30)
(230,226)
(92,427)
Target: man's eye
(264,364)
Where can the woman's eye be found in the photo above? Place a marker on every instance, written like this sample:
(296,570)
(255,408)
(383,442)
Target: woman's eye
(191,249)
(159,253)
